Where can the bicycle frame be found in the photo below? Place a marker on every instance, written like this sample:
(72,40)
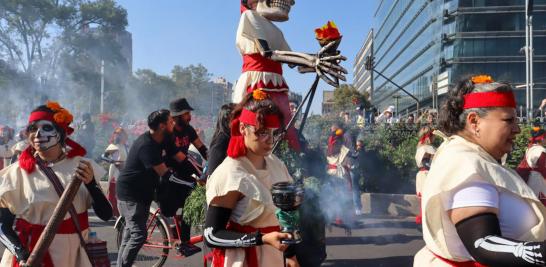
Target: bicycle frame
(157,213)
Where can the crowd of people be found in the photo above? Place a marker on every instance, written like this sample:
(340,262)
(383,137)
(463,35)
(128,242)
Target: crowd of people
(474,210)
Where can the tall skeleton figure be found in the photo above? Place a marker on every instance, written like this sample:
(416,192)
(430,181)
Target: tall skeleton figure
(264,49)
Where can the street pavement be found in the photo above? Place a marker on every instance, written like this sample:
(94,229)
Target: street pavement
(378,241)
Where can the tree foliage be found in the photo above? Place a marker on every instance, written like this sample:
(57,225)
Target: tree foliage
(347,98)
(33,34)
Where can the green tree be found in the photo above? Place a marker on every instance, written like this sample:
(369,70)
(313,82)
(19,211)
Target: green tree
(33,34)
(346,97)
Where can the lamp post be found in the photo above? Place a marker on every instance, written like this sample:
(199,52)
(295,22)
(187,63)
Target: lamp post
(529,58)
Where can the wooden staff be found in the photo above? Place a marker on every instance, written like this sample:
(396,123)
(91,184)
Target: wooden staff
(35,258)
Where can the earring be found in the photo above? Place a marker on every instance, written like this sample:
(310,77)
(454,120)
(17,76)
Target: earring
(477,133)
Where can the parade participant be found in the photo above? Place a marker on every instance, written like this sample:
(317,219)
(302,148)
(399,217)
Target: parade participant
(115,153)
(139,180)
(264,49)
(476,212)
(423,157)
(20,146)
(28,197)
(339,167)
(6,143)
(357,157)
(535,161)
(86,133)
(241,224)
(360,119)
(220,139)
(185,166)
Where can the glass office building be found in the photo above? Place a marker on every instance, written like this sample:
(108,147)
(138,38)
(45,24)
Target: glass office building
(426,46)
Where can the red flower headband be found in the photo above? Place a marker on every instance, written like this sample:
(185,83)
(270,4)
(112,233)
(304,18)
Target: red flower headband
(60,117)
(488,99)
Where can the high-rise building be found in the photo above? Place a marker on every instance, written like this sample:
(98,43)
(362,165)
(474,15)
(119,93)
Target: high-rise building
(327,102)
(363,79)
(220,93)
(426,46)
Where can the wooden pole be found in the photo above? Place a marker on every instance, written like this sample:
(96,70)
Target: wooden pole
(54,222)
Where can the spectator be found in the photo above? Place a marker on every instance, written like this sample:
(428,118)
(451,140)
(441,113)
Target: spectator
(386,116)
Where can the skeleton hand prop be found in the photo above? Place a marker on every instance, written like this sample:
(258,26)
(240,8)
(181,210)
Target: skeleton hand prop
(325,65)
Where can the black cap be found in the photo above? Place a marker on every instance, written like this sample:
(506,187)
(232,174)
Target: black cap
(179,107)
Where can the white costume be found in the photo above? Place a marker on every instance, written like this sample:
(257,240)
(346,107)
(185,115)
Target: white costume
(536,179)
(460,163)
(6,153)
(256,208)
(32,197)
(253,26)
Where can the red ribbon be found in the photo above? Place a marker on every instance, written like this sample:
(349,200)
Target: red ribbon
(251,257)
(489,100)
(459,263)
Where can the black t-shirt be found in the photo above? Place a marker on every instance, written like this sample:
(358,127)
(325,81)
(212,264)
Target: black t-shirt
(138,180)
(182,140)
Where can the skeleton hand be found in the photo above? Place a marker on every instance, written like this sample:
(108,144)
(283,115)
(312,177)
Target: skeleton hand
(325,65)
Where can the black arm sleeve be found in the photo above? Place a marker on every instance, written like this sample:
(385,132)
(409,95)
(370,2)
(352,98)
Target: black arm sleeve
(218,152)
(101,205)
(481,236)
(8,237)
(216,235)
(203,151)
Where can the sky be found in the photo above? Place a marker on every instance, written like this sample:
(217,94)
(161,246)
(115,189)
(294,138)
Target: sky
(183,32)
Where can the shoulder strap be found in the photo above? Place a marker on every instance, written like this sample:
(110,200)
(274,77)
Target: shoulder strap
(60,189)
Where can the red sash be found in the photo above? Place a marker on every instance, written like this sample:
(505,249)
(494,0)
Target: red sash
(459,263)
(30,233)
(251,258)
(256,62)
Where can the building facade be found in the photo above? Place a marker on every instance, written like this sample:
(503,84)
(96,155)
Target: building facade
(327,102)
(363,79)
(426,46)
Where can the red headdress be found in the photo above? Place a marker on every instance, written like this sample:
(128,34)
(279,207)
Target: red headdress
(236,147)
(537,134)
(488,98)
(60,117)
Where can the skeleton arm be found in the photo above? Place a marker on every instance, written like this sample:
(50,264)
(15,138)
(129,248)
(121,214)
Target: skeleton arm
(326,66)
(482,238)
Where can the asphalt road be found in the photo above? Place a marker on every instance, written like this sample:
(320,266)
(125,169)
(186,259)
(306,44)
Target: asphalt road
(385,241)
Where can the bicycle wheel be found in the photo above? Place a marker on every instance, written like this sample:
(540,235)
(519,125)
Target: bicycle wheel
(155,250)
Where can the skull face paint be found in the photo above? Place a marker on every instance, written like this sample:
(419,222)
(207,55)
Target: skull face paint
(275,10)
(43,135)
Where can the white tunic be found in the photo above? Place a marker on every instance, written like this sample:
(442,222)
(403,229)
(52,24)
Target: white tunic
(33,198)
(256,209)
(253,26)
(536,180)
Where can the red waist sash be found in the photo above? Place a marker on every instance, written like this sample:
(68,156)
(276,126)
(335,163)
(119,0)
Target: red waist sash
(257,62)
(30,233)
(459,263)
(251,257)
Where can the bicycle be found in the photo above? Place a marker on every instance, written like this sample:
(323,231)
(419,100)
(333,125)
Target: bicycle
(159,240)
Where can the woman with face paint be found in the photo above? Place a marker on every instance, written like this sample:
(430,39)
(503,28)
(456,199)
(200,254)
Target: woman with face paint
(241,224)
(26,193)
(477,212)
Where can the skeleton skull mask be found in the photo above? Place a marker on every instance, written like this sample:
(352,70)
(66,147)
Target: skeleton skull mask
(43,135)
(274,10)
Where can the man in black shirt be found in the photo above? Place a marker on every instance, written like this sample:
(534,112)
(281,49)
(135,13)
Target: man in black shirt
(184,135)
(139,179)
